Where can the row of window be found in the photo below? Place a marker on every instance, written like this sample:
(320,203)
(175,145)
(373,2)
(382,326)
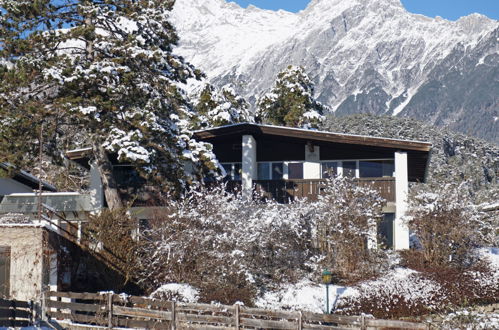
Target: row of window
(294,170)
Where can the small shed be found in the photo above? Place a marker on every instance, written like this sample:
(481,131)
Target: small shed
(28,262)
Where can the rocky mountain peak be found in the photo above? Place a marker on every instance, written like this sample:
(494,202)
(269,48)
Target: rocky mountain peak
(364,56)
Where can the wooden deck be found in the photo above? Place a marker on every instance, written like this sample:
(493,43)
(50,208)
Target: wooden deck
(284,191)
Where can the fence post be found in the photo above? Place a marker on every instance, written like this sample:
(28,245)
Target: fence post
(43,306)
(236,316)
(174,321)
(31,312)
(363,322)
(110,310)
(300,320)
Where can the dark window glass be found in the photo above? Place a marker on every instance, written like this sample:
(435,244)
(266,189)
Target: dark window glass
(376,169)
(126,176)
(329,169)
(263,171)
(237,172)
(4,272)
(370,169)
(228,170)
(295,171)
(388,168)
(277,171)
(349,169)
(385,230)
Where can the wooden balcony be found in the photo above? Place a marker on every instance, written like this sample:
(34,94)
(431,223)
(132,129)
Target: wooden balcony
(284,191)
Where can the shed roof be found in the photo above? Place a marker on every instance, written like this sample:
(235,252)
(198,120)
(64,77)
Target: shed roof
(28,179)
(312,135)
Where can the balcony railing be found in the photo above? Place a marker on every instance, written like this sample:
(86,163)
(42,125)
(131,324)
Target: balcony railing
(284,191)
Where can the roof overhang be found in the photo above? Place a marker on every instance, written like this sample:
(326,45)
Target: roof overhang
(80,156)
(310,135)
(27,179)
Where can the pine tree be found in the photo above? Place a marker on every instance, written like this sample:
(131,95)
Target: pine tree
(218,107)
(101,74)
(291,101)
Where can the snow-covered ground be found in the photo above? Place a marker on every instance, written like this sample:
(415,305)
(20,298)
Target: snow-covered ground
(307,295)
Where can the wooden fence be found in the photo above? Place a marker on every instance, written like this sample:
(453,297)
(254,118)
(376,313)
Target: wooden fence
(111,310)
(15,313)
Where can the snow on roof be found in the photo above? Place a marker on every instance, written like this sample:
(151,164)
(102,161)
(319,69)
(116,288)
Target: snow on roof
(35,194)
(312,131)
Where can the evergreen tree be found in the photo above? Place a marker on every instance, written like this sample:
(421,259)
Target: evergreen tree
(291,101)
(221,107)
(97,73)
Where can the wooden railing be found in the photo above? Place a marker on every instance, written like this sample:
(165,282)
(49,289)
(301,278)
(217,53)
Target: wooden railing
(15,313)
(111,310)
(284,191)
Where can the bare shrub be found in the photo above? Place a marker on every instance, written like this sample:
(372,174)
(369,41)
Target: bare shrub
(110,236)
(347,216)
(414,293)
(446,225)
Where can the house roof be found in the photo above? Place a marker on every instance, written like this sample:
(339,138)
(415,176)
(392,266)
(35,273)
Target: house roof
(28,179)
(314,135)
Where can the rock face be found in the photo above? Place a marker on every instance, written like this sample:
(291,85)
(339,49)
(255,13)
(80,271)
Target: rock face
(365,56)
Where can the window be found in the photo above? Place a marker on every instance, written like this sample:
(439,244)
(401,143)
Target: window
(376,168)
(295,170)
(237,172)
(385,230)
(263,171)
(329,169)
(228,169)
(277,171)
(350,169)
(233,171)
(4,271)
(270,171)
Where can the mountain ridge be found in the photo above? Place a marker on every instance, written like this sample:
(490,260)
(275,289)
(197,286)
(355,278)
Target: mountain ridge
(364,56)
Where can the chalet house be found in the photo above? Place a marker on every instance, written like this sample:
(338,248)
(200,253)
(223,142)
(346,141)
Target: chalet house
(284,163)
(287,163)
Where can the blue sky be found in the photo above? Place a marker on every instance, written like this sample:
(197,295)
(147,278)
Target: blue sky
(450,9)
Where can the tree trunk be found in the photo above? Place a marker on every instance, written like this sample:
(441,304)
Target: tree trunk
(109,185)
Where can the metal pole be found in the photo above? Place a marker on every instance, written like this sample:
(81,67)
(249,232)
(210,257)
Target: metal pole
(40,186)
(327,298)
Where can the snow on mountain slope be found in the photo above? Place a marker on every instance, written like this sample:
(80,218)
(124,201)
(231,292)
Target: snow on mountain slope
(216,35)
(364,55)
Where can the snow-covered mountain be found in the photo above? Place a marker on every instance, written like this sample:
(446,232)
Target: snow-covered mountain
(364,56)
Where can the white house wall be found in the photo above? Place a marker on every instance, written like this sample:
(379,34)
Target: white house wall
(312,164)
(249,163)
(26,260)
(401,230)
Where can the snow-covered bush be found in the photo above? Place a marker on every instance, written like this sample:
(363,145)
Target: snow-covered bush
(226,245)
(347,215)
(402,292)
(234,248)
(469,319)
(446,224)
(176,292)
(407,292)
